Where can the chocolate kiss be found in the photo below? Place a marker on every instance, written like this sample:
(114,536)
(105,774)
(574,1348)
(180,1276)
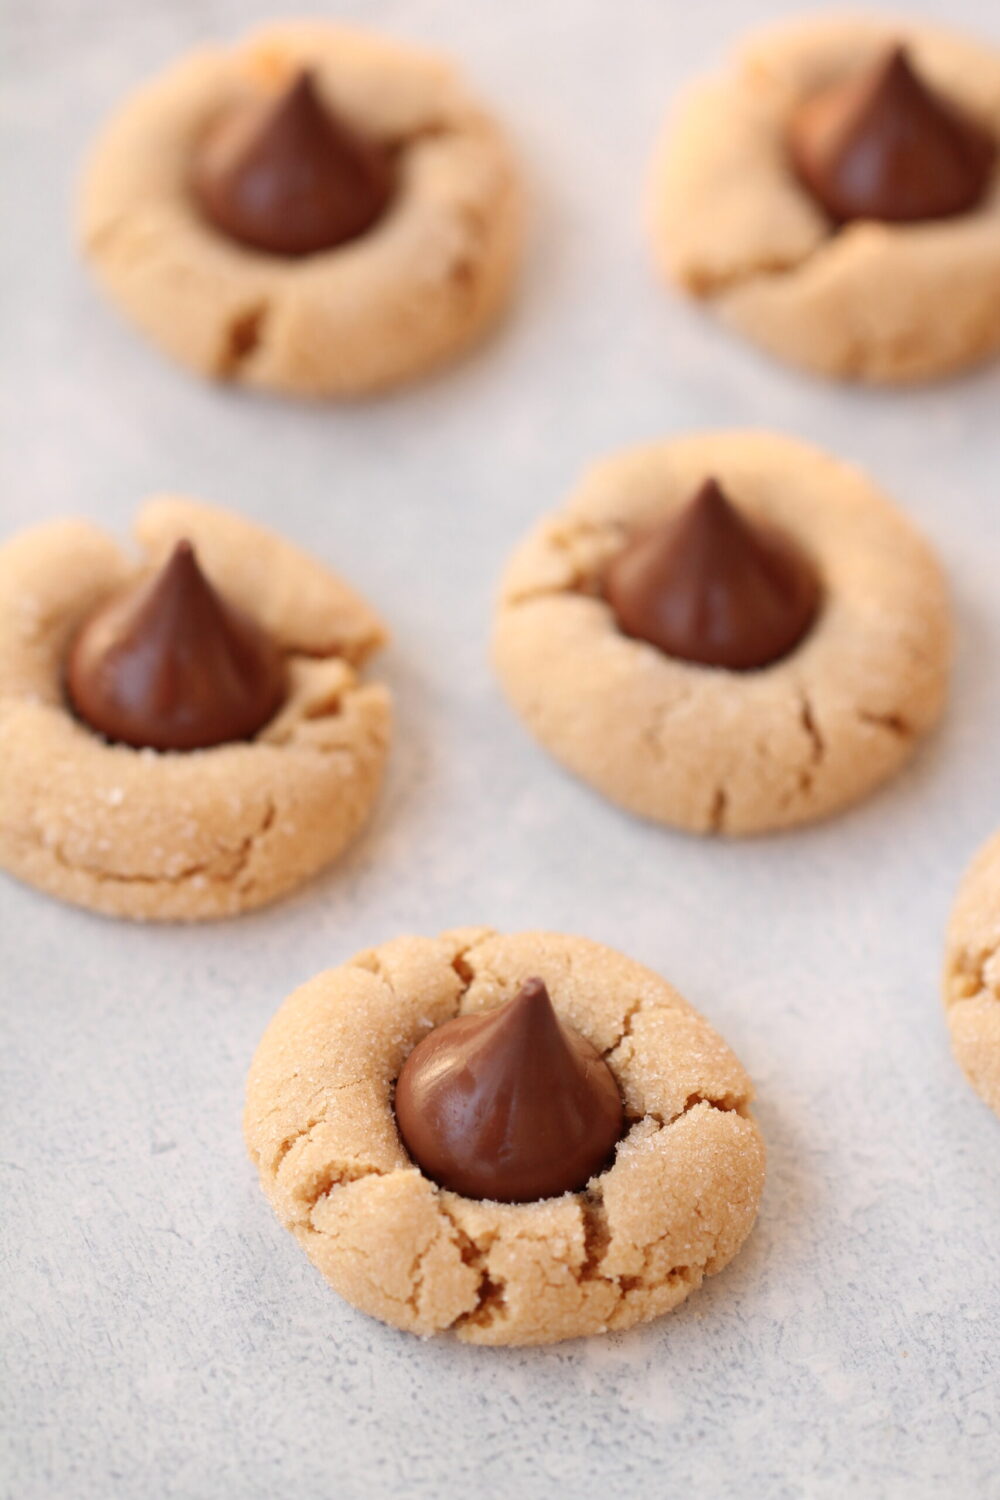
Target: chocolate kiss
(886,146)
(510,1105)
(289,177)
(711,586)
(171,665)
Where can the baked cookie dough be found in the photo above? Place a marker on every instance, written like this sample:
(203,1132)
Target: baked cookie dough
(675,1206)
(201,833)
(425,282)
(731,222)
(703,748)
(972,974)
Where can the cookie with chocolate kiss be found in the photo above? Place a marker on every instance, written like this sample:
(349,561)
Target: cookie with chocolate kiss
(171,665)
(712,586)
(511,1105)
(886,146)
(289,177)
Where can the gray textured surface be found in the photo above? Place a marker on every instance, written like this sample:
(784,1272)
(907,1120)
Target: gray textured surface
(165,1338)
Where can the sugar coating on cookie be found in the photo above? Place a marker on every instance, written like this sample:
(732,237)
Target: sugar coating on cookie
(700,747)
(197,833)
(675,1206)
(733,224)
(426,280)
(972,974)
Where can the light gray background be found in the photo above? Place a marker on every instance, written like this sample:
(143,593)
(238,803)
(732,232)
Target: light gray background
(165,1338)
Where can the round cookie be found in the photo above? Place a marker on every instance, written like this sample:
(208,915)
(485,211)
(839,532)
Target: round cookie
(420,286)
(972,974)
(733,225)
(704,748)
(201,833)
(675,1205)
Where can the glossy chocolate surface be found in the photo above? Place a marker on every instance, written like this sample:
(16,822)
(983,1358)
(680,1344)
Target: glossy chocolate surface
(170,665)
(289,177)
(509,1105)
(884,145)
(713,587)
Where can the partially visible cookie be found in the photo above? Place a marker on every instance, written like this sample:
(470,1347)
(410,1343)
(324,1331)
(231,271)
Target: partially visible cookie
(421,224)
(705,747)
(735,224)
(182,834)
(972,974)
(674,1205)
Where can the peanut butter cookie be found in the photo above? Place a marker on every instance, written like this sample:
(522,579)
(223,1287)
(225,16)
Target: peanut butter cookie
(315,210)
(179,744)
(726,665)
(834,195)
(672,1206)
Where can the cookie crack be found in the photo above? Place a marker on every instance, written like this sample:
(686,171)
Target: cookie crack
(597,1239)
(726,1104)
(690,1275)
(310,1125)
(807,718)
(489,1299)
(240,856)
(336,1175)
(710,285)
(775,266)
(582,574)
(628,1020)
(416,1275)
(717,812)
(430,130)
(967,977)
(293,1140)
(596,1235)
(241,339)
(815,750)
(464,970)
(892,723)
(654,731)
(371,963)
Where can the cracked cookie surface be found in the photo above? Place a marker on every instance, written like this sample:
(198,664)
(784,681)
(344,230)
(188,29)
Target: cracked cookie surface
(703,748)
(731,223)
(674,1207)
(972,974)
(200,833)
(427,281)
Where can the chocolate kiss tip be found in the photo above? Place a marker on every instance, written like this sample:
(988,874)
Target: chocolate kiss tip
(183,563)
(300,102)
(288,177)
(532,1000)
(712,501)
(509,1104)
(886,146)
(170,665)
(713,587)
